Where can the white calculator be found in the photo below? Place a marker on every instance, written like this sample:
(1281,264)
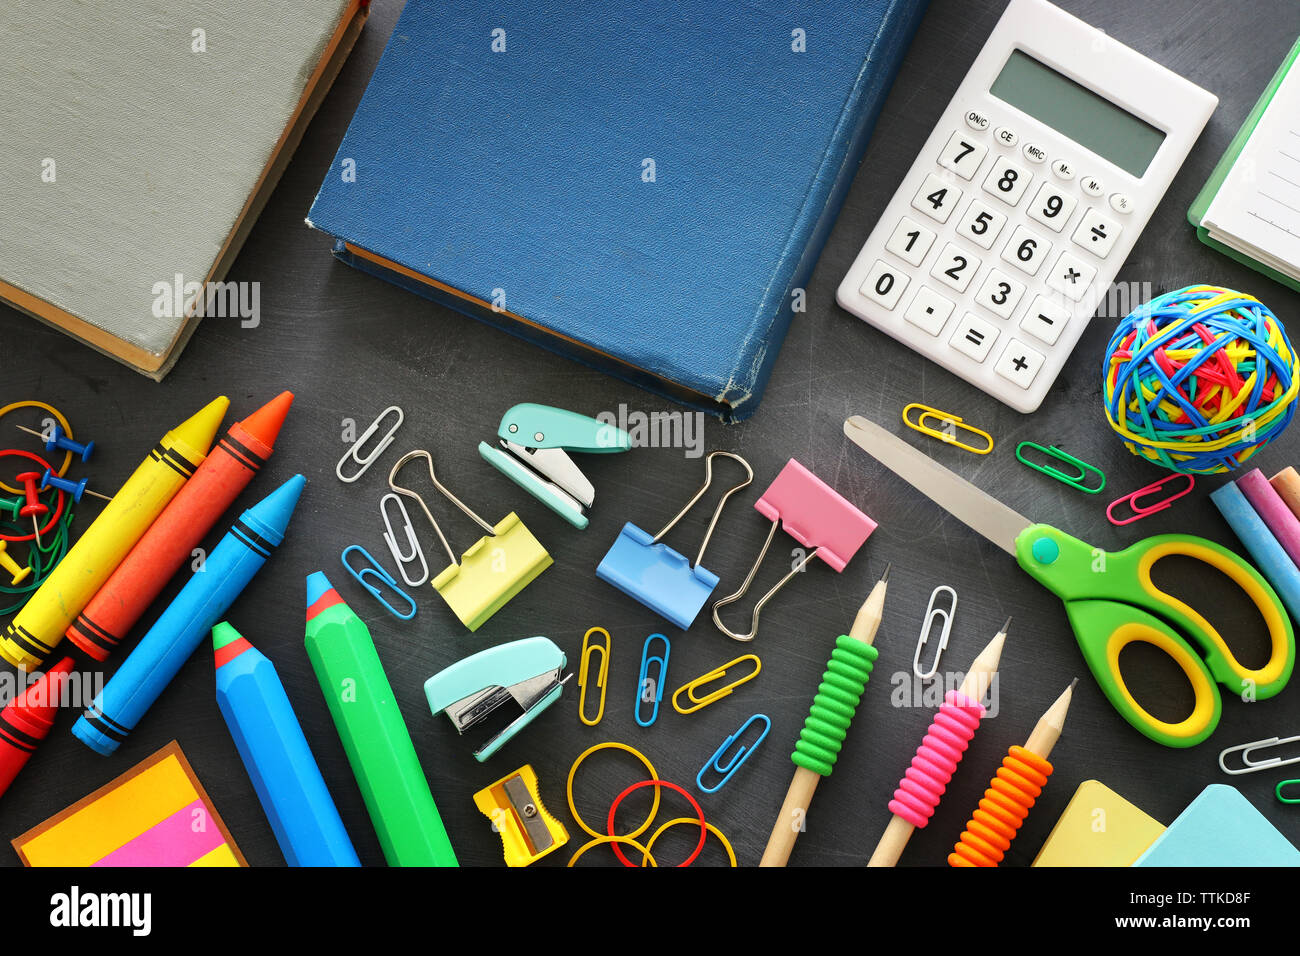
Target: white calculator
(1006,233)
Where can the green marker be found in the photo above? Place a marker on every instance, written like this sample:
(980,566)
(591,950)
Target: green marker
(374,735)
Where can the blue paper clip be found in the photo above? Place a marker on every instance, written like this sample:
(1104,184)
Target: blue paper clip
(645,684)
(739,757)
(662,579)
(375,569)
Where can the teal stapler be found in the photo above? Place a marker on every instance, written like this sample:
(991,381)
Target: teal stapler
(534,442)
(529,672)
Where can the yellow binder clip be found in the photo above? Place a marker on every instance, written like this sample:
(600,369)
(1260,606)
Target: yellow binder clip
(527,829)
(949,428)
(712,696)
(588,649)
(494,569)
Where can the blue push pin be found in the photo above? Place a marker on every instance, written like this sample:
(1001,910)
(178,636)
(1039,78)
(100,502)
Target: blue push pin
(62,442)
(74,488)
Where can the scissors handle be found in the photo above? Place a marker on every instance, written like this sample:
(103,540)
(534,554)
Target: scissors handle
(1076,571)
(1104,628)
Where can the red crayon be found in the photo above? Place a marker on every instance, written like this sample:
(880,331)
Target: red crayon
(27,720)
(171,539)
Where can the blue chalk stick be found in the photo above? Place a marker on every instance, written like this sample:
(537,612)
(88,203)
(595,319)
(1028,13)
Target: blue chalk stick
(1270,558)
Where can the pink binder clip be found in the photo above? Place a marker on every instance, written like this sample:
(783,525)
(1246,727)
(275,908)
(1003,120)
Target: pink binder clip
(815,515)
(1140,510)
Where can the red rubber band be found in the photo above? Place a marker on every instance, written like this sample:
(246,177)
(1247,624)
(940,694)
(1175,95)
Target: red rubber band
(609,825)
(58,510)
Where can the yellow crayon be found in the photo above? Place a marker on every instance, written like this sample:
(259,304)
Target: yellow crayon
(39,626)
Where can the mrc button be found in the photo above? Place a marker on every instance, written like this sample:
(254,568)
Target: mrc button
(1035,154)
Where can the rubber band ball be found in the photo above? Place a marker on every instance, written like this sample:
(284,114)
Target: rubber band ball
(1200,379)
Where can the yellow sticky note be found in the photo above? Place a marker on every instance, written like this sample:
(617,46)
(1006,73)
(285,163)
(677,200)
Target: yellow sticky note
(1098,828)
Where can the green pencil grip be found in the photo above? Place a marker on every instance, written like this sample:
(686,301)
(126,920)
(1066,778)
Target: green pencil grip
(376,740)
(843,683)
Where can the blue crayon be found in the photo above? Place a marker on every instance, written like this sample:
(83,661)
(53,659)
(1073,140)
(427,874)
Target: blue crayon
(1270,558)
(178,632)
(275,754)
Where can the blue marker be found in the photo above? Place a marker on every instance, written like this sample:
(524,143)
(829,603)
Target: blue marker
(276,755)
(178,632)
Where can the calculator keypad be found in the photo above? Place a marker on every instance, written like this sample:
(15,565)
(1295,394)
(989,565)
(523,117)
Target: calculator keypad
(937,198)
(981,224)
(910,241)
(955,267)
(982,271)
(1007,181)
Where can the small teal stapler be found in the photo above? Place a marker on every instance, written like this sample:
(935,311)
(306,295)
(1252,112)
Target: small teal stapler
(534,441)
(530,672)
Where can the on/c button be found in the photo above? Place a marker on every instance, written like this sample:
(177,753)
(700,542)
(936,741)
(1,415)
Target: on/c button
(977,120)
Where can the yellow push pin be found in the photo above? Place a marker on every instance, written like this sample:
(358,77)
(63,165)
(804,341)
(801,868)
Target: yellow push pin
(17,573)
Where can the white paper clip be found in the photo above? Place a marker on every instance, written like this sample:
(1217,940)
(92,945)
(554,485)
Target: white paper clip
(1250,766)
(363,464)
(414,553)
(931,613)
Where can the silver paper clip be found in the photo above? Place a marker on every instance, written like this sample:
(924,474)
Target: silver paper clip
(400,557)
(931,613)
(733,763)
(374,569)
(363,464)
(1250,766)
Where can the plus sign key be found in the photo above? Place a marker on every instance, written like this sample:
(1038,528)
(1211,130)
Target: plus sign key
(1096,233)
(1019,363)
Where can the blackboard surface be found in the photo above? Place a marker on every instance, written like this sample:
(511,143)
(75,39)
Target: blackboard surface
(349,345)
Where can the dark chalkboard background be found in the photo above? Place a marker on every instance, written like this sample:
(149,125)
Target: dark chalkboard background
(349,345)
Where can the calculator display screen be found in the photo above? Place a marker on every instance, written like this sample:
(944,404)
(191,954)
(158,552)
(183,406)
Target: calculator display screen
(1075,111)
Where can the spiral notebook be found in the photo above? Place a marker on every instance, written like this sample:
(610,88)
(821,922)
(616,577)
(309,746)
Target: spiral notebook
(1250,207)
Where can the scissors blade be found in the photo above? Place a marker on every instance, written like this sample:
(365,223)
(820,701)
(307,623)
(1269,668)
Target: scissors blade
(956,495)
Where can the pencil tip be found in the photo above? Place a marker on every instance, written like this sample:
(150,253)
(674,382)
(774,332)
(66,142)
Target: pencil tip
(1006,626)
(885,577)
(1072,683)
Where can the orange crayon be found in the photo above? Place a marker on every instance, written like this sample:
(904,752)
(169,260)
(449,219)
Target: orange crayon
(170,541)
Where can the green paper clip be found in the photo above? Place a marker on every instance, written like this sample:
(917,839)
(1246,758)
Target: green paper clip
(1078,481)
(1286,783)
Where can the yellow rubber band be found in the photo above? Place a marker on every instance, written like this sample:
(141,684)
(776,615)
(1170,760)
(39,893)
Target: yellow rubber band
(654,809)
(619,839)
(693,821)
(58,416)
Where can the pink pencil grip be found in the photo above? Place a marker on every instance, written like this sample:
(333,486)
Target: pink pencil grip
(945,742)
(1273,511)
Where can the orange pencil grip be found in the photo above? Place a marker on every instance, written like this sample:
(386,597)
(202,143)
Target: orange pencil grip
(1012,791)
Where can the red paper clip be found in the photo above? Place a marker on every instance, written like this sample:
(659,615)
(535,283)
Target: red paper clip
(1140,511)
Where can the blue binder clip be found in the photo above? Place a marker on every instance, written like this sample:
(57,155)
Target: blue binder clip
(662,579)
(736,759)
(373,569)
(650,690)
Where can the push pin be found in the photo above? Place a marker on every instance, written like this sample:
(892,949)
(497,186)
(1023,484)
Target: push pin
(34,508)
(62,442)
(16,572)
(74,488)
(11,505)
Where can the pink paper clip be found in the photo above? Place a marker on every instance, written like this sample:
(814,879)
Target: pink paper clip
(815,515)
(1141,511)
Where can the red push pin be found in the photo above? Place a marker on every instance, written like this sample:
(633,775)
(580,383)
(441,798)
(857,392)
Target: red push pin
(34,507)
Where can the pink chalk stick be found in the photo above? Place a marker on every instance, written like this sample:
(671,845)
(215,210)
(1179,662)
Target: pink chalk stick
(1268,504)
(175,841)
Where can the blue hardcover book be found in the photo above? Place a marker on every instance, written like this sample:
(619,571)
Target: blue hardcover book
(641,185)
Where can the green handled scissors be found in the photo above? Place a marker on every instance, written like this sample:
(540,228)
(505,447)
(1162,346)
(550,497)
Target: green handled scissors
(1110,598)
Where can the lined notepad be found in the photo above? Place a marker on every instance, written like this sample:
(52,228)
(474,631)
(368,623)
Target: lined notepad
(1250,208)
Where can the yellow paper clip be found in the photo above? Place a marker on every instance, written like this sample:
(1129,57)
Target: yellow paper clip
(527,829)
(717,673)
(589,649)
(495,568)
(949,426)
